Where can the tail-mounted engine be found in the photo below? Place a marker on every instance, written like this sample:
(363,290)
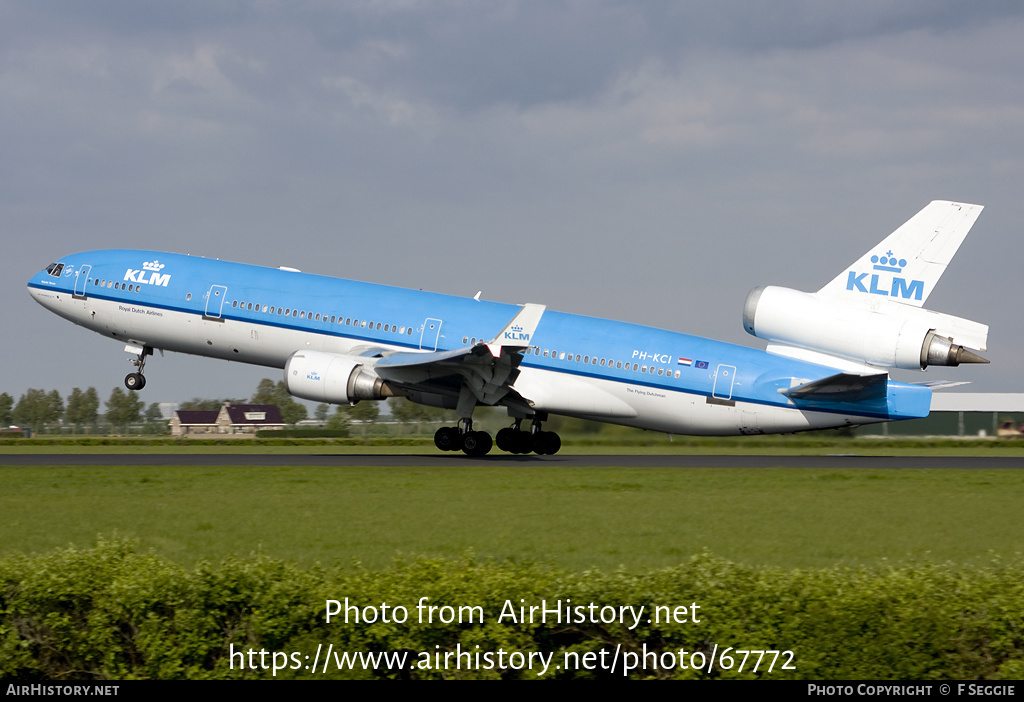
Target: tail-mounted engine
(333,378)
(885,334)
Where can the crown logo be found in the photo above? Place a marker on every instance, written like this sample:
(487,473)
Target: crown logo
(153,266)
(516,328)
(888,262)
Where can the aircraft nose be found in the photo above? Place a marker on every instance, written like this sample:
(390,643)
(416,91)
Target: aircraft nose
(41,288)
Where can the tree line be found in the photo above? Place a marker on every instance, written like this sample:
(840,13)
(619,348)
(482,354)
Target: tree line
(44,411)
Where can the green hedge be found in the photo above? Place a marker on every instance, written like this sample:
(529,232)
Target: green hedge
(110,612)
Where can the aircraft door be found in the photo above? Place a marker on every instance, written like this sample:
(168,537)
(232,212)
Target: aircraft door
(430,334)
(725,376)
(81,279)
(215,301)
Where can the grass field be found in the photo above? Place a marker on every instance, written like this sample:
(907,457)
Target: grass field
(576,518)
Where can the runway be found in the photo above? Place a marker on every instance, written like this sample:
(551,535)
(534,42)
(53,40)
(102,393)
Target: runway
(845,461)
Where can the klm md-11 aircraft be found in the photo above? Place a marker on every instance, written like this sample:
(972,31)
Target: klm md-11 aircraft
(341,341)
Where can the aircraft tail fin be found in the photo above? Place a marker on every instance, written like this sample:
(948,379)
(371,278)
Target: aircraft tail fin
(906,265)
(872,314)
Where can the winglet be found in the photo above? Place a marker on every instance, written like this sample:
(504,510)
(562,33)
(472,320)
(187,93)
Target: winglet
(518,332)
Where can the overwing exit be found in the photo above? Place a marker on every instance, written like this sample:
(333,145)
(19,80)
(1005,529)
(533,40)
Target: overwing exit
(340,341)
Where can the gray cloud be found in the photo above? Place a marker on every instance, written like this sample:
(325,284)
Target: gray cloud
(647,162)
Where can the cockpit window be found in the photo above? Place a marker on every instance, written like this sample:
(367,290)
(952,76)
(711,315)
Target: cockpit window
(55,269)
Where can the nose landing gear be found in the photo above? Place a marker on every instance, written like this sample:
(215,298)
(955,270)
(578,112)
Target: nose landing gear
(137,381)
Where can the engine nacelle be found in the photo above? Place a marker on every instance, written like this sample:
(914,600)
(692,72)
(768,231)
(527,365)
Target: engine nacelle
(333,378)
(887,336)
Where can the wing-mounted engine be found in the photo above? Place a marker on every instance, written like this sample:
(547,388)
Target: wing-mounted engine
(333,378)
(886,335)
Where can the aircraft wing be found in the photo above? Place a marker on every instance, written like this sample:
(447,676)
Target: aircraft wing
(489,369)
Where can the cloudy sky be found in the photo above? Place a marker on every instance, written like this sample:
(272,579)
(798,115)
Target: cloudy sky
(642,161)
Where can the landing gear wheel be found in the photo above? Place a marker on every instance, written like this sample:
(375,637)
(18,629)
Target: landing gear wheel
(547,443)
(476,443)
(448,439)
(135,381)
(520,442)
(503,439)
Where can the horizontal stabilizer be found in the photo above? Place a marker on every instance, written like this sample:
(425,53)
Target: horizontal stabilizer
(822,359)
(936,384)
(842,387)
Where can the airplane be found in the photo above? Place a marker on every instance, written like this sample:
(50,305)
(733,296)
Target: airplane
(338,341)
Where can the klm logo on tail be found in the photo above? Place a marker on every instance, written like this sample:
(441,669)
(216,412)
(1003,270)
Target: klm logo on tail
(876,284)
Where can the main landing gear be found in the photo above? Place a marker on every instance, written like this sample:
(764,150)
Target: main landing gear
(512,439)
(516,440)
(137,381)
(463,438)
